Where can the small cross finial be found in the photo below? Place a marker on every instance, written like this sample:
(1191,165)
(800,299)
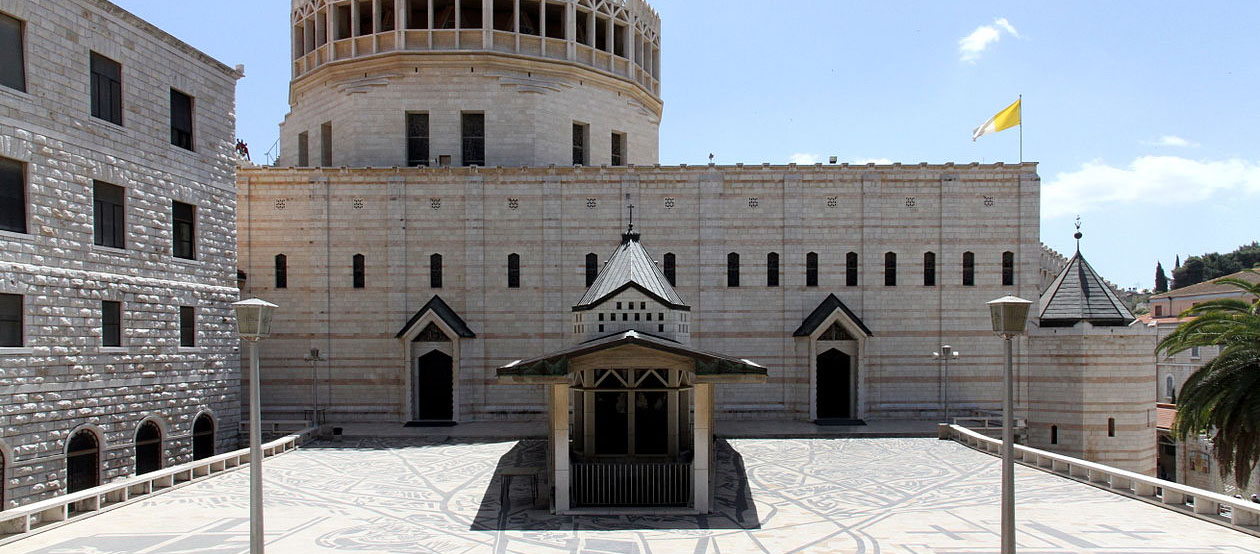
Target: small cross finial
(631,229)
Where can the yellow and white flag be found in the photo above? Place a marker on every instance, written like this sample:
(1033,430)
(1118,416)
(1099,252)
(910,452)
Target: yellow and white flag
(1003,120)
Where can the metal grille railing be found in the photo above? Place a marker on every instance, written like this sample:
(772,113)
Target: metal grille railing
(639,484)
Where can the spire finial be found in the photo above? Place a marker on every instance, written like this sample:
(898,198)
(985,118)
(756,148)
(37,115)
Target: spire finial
(631,229)
(1078,234)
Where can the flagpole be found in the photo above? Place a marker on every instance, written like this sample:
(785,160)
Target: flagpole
(1021,129)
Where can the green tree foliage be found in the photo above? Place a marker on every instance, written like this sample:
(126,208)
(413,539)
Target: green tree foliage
(1206,267)
(1222,398)
(1161,280)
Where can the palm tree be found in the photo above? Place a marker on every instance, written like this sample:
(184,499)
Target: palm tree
(1223,396)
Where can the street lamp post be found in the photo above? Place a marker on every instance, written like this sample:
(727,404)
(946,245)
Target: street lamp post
(253,323)
(947,352)
(1010,316)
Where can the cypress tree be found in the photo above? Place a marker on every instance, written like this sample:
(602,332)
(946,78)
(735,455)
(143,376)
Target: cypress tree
(1161,280)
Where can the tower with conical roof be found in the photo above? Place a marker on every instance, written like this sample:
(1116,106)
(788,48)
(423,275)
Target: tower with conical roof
(1091,386)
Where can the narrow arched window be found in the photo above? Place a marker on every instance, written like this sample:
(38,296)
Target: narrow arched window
(359,272)
(772,269)
(732,270)
(514,271)
(1111,427)
(83,461)
(1008,269)
(1054,434)
(435,271)
(148,448)
(890,269)
(929,269)
(851,269)
(1169,392)
(669,268)
(203,437)
(969,269)
(592,268)
(282,271)
(811,269)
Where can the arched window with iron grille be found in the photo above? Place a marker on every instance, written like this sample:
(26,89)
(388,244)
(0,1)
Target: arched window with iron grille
(148,448)
(83,461)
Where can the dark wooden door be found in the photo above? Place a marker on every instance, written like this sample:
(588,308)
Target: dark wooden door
(834,385)
(203,437)
(435,391)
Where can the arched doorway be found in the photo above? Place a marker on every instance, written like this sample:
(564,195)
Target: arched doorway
(83,461)
(435,398)
(148,448)
(834,383)
(203,437)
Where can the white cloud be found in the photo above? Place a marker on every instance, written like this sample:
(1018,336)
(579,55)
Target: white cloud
(1173,140)
(804,158)
(1151,180)
(972,46)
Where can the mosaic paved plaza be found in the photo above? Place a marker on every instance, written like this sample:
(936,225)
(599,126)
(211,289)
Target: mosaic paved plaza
(820,495)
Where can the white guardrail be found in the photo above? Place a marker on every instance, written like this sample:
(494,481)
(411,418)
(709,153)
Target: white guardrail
(20,521)
(1240,514)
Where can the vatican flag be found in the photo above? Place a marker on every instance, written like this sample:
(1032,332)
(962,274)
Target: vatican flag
(1004,119)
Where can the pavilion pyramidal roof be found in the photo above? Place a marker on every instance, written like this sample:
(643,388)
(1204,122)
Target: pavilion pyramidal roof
(1079,294)
(630,266)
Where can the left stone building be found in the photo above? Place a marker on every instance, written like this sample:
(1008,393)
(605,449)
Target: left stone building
(117,249)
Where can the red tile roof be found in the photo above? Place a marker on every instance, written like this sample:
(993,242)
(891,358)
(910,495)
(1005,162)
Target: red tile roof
(1165,414)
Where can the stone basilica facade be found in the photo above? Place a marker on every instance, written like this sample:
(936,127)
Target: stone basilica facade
(456,174)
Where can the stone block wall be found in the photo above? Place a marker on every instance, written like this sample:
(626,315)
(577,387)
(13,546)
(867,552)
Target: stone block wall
(552,217)
(61,379)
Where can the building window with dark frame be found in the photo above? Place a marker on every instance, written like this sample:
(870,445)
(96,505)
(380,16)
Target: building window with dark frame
(1054,434)
(929,269)
(890,269)
(326,144)
(592,268)
(111,323)
(304,149)
(732,270)
(187,326)
(418,139)
(581,133)
(473,134)
(12,53)
(1008,269)
(12,196)
(11,320)
(618,149)
(282,271)
(359,271)
(107,100)
(181,120)
(851,269)
(184,230)
(772,269)
(969,269)
(109,215)
(811,269)
(1111,427)
(435,271)
(514,271)
(670,268)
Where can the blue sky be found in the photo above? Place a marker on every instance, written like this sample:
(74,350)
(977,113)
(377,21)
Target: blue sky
(1143,116)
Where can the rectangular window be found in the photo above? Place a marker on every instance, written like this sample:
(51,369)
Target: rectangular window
(772,269)
(969,269)
(890,269)
(325,144)
(579,143)
(851,269)
(732,270)
(358,271)
(304,149)
(10,320)
(811,269)
(417,139)
(514,271)
(435,271)
(106,89)
(184,231)
(618,149)
(473,131)
(111,323)
(108,212)
(181,120)
(929,269)
(12,196)
(187,326)
(282,271)
(12,54)
(1008,269)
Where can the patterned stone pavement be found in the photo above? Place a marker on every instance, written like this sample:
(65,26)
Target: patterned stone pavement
(912,496)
